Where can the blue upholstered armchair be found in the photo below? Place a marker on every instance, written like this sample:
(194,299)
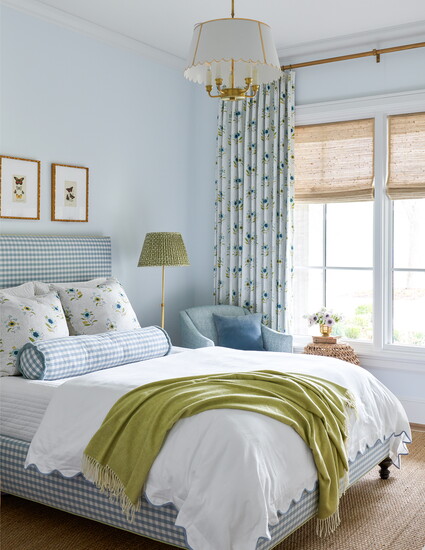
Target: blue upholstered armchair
(198,328)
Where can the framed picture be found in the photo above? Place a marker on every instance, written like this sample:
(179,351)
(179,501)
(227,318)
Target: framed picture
(70,193)
(19,188)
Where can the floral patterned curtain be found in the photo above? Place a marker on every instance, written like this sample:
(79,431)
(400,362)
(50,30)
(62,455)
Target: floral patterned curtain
(254,203)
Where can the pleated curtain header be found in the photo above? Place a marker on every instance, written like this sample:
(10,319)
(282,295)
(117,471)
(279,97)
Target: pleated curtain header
(334,162)
(406,164)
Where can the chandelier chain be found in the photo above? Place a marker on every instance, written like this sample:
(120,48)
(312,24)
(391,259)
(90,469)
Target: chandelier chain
(233,9)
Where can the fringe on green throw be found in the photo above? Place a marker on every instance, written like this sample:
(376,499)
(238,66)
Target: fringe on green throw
(120,454)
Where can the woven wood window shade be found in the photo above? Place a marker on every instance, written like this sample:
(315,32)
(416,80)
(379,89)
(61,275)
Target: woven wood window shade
(406,170)
(334,162)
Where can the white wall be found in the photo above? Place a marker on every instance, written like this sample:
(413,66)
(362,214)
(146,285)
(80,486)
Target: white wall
(146,136)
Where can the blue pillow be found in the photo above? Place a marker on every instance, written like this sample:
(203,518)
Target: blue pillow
(76,355)
(241,332)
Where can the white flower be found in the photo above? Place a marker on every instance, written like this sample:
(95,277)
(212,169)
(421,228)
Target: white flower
(330,321)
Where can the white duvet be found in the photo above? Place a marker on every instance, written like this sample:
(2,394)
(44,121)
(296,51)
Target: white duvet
(228,472)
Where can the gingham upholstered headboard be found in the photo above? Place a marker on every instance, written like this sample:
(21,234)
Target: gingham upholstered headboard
(53,259)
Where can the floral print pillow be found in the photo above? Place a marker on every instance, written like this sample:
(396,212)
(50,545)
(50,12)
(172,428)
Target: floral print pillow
(27,319)
(97,307)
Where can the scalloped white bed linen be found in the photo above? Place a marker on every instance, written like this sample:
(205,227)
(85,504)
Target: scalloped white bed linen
(228,472)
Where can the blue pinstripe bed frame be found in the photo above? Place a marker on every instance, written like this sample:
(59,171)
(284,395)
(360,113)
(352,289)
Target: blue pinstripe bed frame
(69,259)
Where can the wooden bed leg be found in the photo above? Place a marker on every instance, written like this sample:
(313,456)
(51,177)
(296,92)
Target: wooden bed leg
(384,471)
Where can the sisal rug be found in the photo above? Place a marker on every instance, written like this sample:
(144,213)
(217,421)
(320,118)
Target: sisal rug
(376,515)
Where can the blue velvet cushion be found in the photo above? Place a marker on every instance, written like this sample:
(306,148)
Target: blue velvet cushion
(241,332)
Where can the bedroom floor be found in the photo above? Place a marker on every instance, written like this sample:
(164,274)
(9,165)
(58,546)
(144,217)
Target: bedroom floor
(376,515)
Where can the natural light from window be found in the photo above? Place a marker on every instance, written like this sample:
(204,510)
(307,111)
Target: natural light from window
(409,272)
(333,257)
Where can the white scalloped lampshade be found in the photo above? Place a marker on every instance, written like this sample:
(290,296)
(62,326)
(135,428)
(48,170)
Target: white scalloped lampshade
(248,42)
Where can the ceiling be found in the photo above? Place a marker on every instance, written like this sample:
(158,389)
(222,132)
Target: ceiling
(168,24)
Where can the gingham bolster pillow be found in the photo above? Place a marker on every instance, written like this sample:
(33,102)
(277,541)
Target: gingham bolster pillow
(76,355)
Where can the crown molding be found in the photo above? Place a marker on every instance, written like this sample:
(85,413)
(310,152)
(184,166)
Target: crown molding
(409,33)
(59,17)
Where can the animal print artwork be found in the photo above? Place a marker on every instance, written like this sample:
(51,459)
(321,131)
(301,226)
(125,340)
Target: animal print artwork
(70,193)
(19,188)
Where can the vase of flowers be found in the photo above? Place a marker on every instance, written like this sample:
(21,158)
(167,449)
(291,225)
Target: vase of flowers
(326,318)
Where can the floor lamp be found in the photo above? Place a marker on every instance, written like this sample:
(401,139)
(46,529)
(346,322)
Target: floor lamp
(163,249)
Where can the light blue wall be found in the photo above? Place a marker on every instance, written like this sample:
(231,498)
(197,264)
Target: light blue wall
(397,72)
(146,136)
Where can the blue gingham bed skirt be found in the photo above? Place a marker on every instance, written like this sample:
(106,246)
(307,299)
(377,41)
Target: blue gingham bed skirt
(78,496)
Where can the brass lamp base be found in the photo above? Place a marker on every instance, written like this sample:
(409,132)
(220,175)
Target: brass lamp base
(163,297)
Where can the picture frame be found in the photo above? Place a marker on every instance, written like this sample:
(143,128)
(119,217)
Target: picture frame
(70,193)
(19,188)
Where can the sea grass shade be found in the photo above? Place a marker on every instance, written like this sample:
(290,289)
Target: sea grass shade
(163,249)
(334,162)
(406,164)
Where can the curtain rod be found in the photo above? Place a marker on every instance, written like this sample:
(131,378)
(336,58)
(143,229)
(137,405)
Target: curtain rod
(376,53)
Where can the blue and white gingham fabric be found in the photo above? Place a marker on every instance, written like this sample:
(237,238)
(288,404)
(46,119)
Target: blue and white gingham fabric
(78,496)
(76,355)
(53,259)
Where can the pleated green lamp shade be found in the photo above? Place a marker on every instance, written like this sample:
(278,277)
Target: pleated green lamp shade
(163,249)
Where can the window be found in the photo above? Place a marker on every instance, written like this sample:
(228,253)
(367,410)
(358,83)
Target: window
(408,277)
(336,268)
(338,248)
(406,188)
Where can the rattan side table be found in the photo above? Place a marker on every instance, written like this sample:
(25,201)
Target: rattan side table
(339,351)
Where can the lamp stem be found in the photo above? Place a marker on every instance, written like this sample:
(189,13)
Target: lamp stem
(163,297)
(233,9)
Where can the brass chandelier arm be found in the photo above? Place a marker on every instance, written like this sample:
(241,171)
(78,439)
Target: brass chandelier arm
(240,92)
(376,53)
(209,90)
(254,91)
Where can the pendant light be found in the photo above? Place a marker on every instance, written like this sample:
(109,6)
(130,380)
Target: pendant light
(237,55)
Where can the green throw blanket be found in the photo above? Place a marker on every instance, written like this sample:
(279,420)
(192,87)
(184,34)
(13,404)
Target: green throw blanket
(120,454)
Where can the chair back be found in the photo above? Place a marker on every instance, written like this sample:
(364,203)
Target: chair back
(202,318)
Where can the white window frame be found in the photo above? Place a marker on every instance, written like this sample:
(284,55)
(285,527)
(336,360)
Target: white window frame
(379,108)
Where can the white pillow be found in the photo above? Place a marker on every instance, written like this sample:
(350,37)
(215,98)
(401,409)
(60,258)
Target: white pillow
(27,319)
(25,290)
(42,288)
(96,306)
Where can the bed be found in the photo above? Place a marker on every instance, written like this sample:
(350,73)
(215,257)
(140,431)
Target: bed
(56,259)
